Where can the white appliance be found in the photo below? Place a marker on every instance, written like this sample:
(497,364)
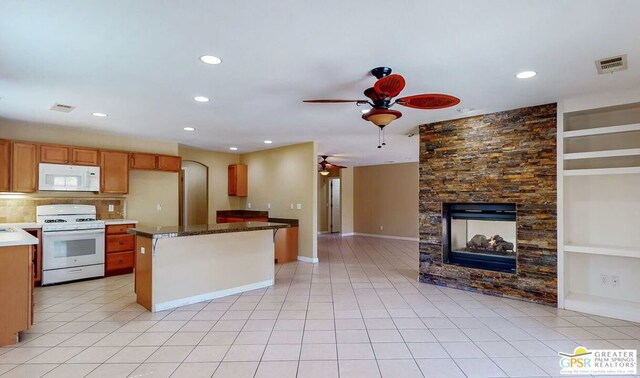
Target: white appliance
(72,243)
(76,178)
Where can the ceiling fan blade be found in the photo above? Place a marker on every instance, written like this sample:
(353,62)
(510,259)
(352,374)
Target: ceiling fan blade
(390,86)
(332,101)
(335,166)
(428,101)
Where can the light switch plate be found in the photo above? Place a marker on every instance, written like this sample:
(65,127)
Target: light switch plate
(111,208)
(142,250)
(299,206)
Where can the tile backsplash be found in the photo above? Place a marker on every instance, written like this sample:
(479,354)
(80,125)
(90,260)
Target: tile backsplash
(18,210)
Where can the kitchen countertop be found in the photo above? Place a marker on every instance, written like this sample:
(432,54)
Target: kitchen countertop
(241,213)
(176,231)
(15,237)
(110,222)
(22,225)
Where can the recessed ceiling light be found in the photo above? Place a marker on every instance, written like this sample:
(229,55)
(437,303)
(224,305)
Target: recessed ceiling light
(268,142)
(99,114)
(526,74)
(365,111)
(210,59)
(201,99)
(233,148)
(189,129)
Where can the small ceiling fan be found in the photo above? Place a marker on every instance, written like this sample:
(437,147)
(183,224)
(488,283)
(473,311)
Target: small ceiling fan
(325,166)
(381,95)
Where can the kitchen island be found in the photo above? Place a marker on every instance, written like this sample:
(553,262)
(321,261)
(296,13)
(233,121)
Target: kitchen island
(178,266)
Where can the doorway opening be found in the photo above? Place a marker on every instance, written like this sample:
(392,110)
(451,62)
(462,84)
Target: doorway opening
(335,208)
(193,192)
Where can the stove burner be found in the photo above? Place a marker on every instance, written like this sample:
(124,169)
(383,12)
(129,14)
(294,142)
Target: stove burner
(54,221)
(85,219)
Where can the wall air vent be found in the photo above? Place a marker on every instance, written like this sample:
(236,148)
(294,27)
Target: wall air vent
(612,64)
(62,108)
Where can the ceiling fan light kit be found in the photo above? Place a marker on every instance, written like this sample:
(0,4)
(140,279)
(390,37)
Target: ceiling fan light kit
(380,97)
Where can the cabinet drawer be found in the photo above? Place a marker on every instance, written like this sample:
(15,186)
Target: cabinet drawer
(120,260)
(117,243)
(118,228)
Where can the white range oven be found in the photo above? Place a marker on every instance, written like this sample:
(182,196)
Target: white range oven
(72,243)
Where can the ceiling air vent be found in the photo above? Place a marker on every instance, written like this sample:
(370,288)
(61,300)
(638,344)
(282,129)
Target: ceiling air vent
(612,64)
(62,108)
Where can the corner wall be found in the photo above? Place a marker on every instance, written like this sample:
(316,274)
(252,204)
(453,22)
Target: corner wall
(346,200)
(284,176)
(386,196)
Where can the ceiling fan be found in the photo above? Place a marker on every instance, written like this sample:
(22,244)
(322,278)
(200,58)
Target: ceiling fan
(325,166)
(380,98)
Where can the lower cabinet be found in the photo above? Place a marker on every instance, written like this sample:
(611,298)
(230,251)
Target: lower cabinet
(119,250)
(16,292)
(286,245)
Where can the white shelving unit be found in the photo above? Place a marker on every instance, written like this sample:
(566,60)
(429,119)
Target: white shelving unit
(599,211)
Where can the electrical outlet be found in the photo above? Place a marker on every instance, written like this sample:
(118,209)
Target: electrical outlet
(604,280)
(111,208)
(291,206)
(248,205)
(142,250)
(269,205)
(381,228)
(615,281)
(159,207)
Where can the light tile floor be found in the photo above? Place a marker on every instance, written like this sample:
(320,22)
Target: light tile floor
(360,312)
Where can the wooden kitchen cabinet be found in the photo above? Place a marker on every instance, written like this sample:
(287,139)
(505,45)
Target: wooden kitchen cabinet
(84,156)
(5,166)
(16,292)
(142,161)
(24,167)
(114,172)
(54,154)
(37,255)
(286,245)
(237,180)
(119,249)
(169,163)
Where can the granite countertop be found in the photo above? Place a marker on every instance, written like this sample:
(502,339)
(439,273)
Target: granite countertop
(13,236)
(241,213)
(110,222)
(205,229)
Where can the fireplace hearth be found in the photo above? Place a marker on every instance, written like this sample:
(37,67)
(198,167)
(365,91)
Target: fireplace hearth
(480,235)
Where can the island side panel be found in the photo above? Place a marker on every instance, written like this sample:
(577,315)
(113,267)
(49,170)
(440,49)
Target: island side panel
(143,269)
(16,275)
(192,269)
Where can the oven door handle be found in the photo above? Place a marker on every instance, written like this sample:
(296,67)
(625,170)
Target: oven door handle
(73,232)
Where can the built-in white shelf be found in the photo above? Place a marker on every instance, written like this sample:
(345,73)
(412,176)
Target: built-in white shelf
(603,250)
(602,130)
(613,308)
(602,154)
(602,171)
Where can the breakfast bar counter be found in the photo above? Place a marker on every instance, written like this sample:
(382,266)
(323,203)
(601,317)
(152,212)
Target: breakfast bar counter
(178,266)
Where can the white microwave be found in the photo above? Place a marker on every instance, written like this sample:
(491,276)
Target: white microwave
(76,178)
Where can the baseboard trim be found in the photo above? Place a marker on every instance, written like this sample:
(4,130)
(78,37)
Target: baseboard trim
(347,234)
(313,260)
(211,295)
(323,232)
(386,236)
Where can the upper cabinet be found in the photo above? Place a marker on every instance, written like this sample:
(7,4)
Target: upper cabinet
(24,167)
(84,156)
(142,161)
(54,154)
(114,172)
(5,161)
(153,162)
(169,163)
(68,155)
(237,184)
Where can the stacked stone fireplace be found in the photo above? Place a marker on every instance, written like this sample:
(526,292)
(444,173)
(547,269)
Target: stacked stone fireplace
(501,165)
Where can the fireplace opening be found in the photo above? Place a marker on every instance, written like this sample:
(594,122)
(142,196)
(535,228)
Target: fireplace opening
(480,236)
